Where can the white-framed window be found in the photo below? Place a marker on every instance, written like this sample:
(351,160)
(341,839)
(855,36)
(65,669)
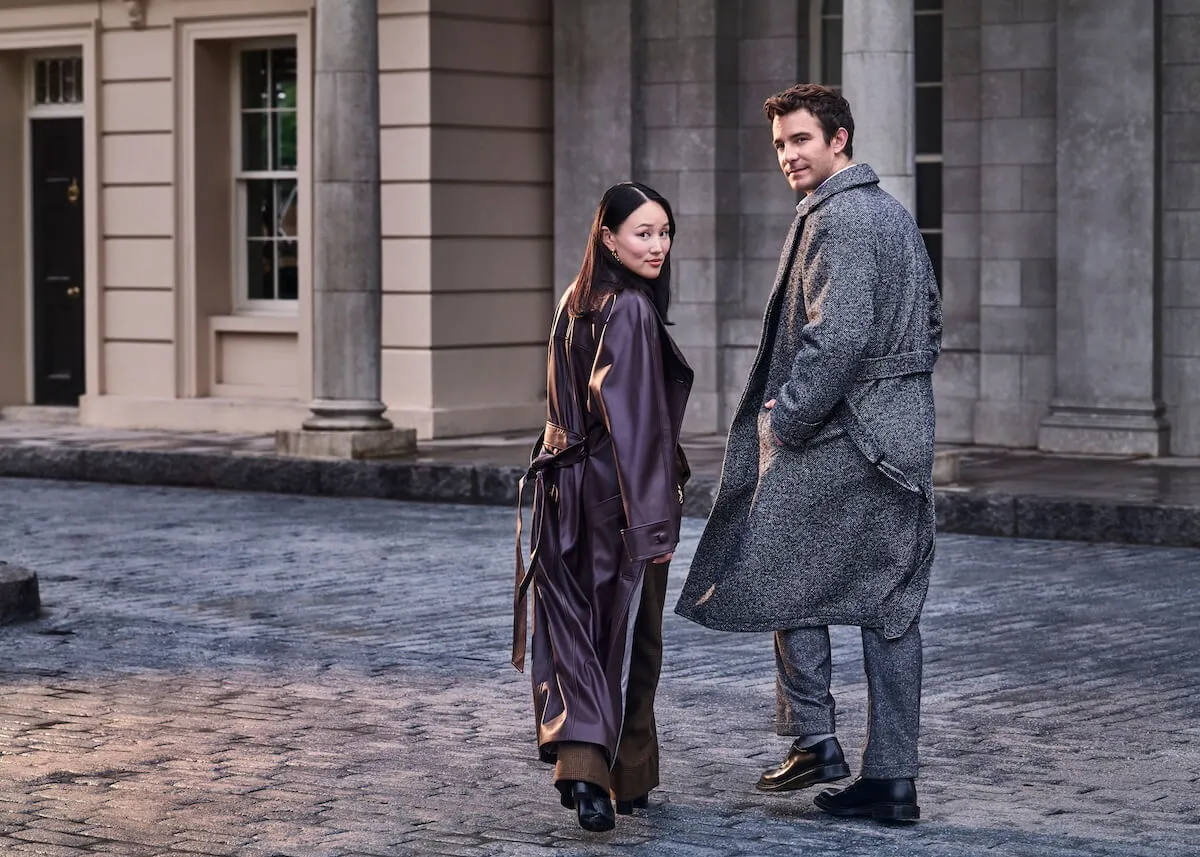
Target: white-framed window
(57,80)
(826,67)
(826,43)
(54,84)
(927,56)
(266,197)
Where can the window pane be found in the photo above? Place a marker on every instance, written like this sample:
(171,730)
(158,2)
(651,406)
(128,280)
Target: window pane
(933,246)
(832,7)
(286,213)
(260,270)
(289,260)
(283,77)
(928,5)
(285,140)
(255,137)
(259,213)
(40,91)
(831,52)
(70,87)
(255,93)
(929,196)
(928,48)
(54,86)
(929,120)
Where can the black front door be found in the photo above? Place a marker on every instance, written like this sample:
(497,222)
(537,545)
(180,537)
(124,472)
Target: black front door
(57,222)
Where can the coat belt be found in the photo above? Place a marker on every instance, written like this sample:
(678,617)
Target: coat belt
(860,434)
(897,365)
(540,463)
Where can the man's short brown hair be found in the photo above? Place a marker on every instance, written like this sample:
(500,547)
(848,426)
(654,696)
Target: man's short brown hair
(829,108)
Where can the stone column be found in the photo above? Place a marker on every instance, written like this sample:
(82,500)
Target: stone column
(347,420)
(1109,147)
(878,81)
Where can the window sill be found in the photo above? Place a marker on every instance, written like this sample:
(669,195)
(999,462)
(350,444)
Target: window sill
(258,323)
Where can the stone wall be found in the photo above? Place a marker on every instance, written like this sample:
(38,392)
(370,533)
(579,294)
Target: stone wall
(674,98)
(773,55)
(1181,222)
(1017,224)
(685,146)
(956,380)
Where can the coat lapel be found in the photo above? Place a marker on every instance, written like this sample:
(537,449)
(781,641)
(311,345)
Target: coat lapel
(785,258)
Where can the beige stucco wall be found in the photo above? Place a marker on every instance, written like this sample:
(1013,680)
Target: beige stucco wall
(137,209)
(467,216)
(467,127)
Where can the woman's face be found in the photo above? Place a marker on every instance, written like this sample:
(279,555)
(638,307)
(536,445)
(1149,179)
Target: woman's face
(642,241)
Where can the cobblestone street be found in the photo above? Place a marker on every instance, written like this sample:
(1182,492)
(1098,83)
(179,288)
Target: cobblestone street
(262,675)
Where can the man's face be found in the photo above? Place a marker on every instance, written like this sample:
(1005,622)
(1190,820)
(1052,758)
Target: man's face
(804,156)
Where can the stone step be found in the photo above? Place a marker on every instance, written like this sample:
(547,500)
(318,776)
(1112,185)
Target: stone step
(44,414)
(945,466)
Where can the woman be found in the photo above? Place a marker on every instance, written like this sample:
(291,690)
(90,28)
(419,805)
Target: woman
(608,479)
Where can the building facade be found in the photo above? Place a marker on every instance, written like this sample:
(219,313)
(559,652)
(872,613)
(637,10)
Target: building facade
(156,167)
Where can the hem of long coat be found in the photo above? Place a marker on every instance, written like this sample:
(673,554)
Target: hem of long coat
(891,632)
(548,750)
(589,736)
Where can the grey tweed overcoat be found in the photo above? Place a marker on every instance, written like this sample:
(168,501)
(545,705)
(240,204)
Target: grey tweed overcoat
(824,513)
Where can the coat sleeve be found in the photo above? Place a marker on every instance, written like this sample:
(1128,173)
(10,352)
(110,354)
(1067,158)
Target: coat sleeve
(628,384)
(840,296)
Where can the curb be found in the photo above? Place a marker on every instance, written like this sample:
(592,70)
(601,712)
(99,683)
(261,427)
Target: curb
(959,510)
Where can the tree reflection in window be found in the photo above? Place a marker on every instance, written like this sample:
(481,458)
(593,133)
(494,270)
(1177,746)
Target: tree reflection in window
(267,177)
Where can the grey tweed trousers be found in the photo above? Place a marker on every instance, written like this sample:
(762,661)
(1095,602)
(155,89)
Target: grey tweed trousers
(805,706)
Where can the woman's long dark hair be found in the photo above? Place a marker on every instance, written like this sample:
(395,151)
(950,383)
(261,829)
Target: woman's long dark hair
(601,272)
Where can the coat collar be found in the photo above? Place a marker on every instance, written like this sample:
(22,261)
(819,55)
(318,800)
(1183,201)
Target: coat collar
(667,339)
(663,332)
(856,175)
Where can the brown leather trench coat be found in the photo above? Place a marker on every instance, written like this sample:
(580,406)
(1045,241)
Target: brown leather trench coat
(606,499)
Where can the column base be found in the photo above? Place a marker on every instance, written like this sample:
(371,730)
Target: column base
(1105,430)
(346,445)
(347,415)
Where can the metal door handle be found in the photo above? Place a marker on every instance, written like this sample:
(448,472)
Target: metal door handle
(74,292)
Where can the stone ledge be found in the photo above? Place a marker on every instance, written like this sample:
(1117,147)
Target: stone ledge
(959,510)
(19,596)
(945,466)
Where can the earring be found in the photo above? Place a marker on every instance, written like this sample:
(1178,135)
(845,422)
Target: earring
(615,256)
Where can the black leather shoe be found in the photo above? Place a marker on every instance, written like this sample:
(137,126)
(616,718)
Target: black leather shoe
(626,807)
(591,804)
(823,762)
(883,800)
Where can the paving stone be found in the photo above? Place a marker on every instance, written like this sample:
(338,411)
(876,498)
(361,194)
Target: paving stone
(270,675)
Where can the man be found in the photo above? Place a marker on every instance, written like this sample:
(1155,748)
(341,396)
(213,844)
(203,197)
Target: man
(824,515)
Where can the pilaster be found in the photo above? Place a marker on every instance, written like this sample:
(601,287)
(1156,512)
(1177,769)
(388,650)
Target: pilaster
(1107,380)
